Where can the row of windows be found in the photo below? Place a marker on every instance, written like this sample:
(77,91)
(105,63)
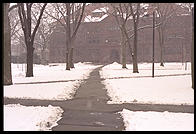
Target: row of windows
(93,41)
(114,28)
(97,41)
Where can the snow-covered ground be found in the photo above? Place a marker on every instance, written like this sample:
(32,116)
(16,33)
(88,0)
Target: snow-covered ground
(51,72)
(145,69)
(158,90)
(157,121)
(136,89)
(142,88)
(47,91)
(22,118)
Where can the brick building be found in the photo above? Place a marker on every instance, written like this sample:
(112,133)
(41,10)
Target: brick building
(99,41)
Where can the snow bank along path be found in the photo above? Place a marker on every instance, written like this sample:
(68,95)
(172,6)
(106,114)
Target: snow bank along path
(157,121)
(22,118)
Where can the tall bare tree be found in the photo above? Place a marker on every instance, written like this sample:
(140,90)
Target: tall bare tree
(69,15)
(7,80)
(135,15)
(121,14)
(25,11)
(163,10)
(189,7)
(44,32)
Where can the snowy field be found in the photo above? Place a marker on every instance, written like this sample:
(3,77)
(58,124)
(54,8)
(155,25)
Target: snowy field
(145,69)
(51,72)
(157,121)
(22,118)
(159,90)
(44,91)
(142,88)
(136,89)
(55,91)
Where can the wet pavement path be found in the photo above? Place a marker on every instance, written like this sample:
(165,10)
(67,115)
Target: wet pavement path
(89,111)
(86,111)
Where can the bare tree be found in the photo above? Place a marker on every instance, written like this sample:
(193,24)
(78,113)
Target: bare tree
(7,80)
(121,14)
(17,37)
(189,7)
(69,15)
(163,10)
(24,11)
(14,22)
(135,15)
(44,32)
(6,46)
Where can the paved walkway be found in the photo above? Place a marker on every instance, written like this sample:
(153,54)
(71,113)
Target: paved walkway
(88,110)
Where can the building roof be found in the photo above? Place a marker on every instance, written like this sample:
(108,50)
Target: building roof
(90,18)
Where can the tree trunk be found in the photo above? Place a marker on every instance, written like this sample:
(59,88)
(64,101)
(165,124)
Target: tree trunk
(67,52)
(71,59)
(67,61)
(135,66)
(160,31)
(123,51)
(161,53)
(7,47)
(29,59)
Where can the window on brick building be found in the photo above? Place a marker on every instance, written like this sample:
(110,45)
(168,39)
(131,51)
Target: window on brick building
(172,50)
(114,28)
(93,41)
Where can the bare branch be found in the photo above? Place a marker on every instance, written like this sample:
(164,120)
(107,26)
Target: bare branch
(38,22)
(12,7)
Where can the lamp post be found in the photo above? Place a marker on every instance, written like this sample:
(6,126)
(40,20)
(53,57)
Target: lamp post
(192,49)
(153,38)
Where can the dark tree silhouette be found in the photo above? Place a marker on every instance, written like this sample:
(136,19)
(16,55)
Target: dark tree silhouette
(7,80)
(29,35)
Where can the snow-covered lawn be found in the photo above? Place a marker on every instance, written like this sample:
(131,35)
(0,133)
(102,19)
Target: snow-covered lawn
(159,90)
(145,69)
(22,118)
(157,121)
(47,91)
(52,72)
